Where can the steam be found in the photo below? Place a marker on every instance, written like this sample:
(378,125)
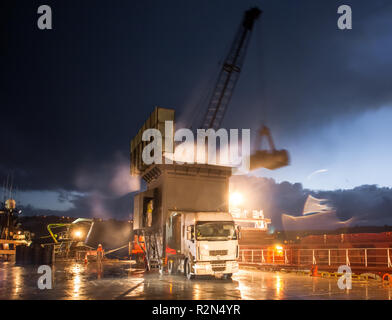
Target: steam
(112,179)
(107,189)
(122,182)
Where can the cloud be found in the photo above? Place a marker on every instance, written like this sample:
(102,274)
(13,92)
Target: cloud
(91,205)
(367,205)
(70,128)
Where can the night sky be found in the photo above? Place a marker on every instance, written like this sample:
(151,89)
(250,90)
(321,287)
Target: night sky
(73,97)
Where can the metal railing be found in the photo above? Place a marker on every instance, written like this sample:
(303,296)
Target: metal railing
(361,257)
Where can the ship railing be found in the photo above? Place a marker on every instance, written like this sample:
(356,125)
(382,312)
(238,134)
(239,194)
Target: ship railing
(360,257)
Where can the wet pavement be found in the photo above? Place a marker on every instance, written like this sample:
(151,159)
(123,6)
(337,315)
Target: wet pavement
(121,280)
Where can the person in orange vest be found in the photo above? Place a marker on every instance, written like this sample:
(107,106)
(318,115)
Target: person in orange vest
(99,254)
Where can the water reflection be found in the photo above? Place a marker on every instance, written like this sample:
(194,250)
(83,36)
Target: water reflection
(77,280)
(17,281)
(278,285)
(196,291)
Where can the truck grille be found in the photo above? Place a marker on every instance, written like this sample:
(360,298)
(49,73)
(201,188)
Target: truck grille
(217,269)
(218,252)
(218,266)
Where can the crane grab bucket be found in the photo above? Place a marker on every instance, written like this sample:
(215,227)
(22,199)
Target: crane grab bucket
(270,159)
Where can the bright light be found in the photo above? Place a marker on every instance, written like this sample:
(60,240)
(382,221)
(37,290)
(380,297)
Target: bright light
(279,250)
(77,234)
(236,199)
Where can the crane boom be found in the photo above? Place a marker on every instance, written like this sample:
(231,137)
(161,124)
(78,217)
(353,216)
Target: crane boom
(230,72)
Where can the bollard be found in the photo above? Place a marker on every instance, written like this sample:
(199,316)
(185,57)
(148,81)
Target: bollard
(18,255)
(36,254)
(389,279)
(46,255)
(27,255)
(314,271)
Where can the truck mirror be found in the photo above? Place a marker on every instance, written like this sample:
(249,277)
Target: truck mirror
(238,232)
(190,233)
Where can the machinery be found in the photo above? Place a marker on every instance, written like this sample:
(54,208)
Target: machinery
(229,74)
(268,158)
(73,240)
(68,238)
(9,229)
(11,234)
(185,203)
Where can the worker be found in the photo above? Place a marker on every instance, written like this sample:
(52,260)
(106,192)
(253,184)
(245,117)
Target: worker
(99,254)
(150,208)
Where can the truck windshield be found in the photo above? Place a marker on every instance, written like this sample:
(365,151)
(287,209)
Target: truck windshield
(215,231)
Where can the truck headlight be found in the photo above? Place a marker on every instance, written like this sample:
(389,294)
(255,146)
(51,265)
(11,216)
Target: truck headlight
(202,266)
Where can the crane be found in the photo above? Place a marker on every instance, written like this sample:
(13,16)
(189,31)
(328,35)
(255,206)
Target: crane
(223,91)
(230,72)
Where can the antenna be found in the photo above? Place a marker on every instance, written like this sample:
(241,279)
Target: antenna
(6,188)
(12,184)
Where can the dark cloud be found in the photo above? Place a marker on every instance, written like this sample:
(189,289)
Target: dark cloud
(73,97)
(310,72)
(93,205)
(367,204)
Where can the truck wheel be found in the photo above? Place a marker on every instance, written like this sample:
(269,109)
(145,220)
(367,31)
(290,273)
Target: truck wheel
(188,267)
(146,267)
(139,258)
(227,276)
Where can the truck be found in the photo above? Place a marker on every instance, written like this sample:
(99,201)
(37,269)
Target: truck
(183,217)
(184,221)
(202,243)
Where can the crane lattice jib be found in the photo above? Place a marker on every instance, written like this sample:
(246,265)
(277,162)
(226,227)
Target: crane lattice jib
(230,72)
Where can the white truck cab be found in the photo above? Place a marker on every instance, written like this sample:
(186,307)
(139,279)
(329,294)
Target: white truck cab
(202,243)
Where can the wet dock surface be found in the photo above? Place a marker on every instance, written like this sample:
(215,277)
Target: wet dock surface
(121,280)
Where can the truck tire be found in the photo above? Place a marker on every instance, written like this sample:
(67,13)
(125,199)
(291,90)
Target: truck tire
(187,270)
(227,276)
(146,267)
(139,258)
